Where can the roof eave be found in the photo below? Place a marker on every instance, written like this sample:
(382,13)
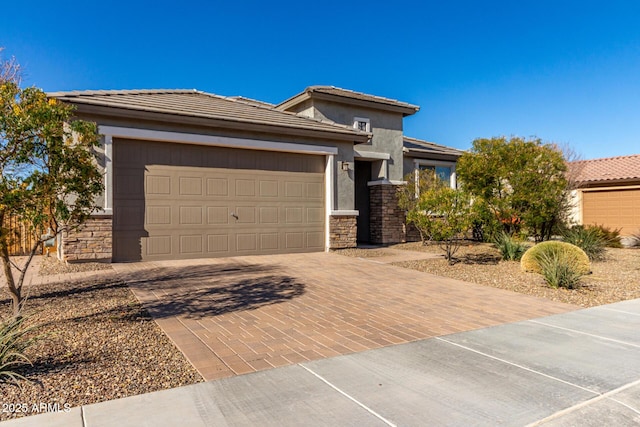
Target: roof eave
(110,111)
(407,110)
(431,155)
(293,101)
(607,182)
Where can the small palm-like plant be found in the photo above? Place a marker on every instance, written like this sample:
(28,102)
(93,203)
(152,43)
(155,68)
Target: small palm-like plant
(13,343)
(589,239)
(510,248)
(558,270)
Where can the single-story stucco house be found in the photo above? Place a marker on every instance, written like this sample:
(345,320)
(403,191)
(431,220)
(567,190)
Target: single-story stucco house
(190,174)
(608,192)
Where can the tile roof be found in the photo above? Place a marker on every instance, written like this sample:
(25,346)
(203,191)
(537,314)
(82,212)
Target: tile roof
(611,169)
(252,101)
(421,146)
(351,95)
(194,103)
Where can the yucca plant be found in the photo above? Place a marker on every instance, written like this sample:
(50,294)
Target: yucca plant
(13,342)
(510,248)
(589,239)
(558,270)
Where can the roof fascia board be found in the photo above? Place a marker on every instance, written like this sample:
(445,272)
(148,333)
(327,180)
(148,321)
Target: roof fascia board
(294,100)
(301,97)
(212,140)
(407,111)
(604,184)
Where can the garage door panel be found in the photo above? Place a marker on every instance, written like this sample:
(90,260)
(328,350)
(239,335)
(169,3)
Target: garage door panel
(158,215)
(294,240)
(268,188)
(293,189)
(190,186)
(617,209)
(217,215)
(269,241)
(245,215)
(190,215)
(315,216)
(293,215)
(166,211)
(269,215)
(158,184)
(218,187)
(246,242)
(157,245)
(315,239)
(191,244)
(218,244)
(315,190)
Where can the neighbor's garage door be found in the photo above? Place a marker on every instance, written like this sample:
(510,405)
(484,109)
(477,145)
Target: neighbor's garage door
(174,201)
(613,209)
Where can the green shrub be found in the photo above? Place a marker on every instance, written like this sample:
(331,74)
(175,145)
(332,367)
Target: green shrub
(610,237)
(510,248)
(589,239)
(559,270)
(573,254)
(13,343)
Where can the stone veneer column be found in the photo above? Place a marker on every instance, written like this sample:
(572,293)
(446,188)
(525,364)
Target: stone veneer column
(386,219)
(342,231)
(93,241)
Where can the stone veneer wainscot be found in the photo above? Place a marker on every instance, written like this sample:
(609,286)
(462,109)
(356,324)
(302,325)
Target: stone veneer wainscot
(92,241)
(386,219)
(342,231)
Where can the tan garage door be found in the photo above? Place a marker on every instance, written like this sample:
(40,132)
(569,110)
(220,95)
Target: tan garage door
(174,201)
(612,208)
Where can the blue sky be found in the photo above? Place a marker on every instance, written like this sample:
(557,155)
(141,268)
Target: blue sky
(564,71)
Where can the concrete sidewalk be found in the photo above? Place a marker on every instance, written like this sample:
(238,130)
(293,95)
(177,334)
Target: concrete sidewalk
(578,368)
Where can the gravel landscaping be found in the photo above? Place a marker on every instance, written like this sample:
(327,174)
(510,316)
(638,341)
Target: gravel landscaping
(617,278)
(96,343)
(50,265)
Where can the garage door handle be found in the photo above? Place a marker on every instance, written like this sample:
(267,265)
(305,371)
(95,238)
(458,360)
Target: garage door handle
(234,215)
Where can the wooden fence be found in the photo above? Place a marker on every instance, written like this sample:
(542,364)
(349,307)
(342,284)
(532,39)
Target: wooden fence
(21,239)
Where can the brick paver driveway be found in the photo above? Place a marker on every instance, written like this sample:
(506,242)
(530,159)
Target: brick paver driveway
(231,316)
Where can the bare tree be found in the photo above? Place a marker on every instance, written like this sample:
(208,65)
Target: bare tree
(10,70)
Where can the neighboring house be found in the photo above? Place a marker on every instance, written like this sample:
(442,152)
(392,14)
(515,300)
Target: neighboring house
(190,174)
(608,192)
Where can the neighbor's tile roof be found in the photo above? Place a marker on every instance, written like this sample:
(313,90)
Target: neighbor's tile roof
(195,103)
(420,146)
(349,94)
(611,169)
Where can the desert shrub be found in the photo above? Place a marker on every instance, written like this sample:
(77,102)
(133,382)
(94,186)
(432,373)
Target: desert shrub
(510,248)
(530,261)
(559,269)
(440,213)
(520,184)
(610,237)
(13,343)
(589,239)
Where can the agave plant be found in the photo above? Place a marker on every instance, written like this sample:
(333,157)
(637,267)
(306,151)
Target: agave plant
(13,343)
